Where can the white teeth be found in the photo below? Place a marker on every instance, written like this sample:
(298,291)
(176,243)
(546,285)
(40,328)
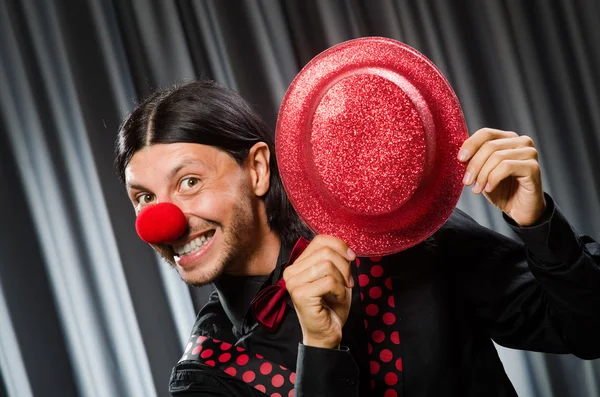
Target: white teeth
(192,245)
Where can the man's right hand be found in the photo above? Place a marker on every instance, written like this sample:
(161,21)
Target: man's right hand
(320,284)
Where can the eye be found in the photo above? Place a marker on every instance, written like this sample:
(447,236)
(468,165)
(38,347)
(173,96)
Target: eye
(145,198)
(188,183)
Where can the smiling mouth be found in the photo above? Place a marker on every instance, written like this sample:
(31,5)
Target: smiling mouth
(194,245)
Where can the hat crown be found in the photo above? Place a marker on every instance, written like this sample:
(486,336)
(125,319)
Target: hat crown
(357,128)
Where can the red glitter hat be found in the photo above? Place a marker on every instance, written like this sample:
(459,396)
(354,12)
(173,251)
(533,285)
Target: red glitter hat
(367,139)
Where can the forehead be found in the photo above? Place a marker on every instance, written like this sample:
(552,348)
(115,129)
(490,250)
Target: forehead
(161,159)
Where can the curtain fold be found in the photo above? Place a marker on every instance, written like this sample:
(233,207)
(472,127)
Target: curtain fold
(86,308)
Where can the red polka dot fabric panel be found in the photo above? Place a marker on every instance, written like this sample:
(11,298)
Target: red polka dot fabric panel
(381,325)
(272,379)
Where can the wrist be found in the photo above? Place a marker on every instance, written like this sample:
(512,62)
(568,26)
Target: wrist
(324,343)
(539,215)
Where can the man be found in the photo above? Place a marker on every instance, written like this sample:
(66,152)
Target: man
(202,148)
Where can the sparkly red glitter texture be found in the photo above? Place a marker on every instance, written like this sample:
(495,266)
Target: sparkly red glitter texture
(367,138)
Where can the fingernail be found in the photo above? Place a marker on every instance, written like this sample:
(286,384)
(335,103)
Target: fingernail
(476,188)
(467,178)
(488,187)
(351,282)
(351,254)
(463,155)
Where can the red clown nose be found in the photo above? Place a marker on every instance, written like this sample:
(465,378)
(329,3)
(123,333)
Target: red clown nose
(159,223)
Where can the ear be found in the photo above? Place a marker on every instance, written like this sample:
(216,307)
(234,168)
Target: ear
(257,163)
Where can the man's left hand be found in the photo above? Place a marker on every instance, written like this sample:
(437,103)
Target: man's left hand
(504,167)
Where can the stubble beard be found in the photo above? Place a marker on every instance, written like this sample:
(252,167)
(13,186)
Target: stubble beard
(236,244)
(236,247)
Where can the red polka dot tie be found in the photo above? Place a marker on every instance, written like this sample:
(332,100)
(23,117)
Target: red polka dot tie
(272,379)
(381,325)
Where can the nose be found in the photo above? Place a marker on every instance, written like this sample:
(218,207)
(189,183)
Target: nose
(159,223)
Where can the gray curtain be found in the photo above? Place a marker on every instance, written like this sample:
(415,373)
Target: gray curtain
(87,309)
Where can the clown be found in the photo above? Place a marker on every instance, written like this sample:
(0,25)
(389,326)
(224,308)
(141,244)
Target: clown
(305,315)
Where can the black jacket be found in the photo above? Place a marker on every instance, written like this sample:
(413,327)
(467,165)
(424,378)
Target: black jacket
(454,293)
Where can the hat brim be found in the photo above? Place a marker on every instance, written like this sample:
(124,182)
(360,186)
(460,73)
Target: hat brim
(367,139)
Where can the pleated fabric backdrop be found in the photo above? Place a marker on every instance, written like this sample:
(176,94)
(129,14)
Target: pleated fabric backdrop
(86,308)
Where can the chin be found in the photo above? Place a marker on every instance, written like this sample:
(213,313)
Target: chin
(200,276)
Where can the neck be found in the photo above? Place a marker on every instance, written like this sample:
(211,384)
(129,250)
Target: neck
(262,260)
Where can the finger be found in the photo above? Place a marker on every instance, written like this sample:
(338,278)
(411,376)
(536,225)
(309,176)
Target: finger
(525,153)
(322,254)
(487,149)
(514,168)
(475,141)
(323,240)
(335,292)
(315,272)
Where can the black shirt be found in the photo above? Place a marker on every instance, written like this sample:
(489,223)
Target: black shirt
(454,293)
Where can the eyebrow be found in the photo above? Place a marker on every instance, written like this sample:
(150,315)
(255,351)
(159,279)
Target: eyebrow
(171,173)
(180,166)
